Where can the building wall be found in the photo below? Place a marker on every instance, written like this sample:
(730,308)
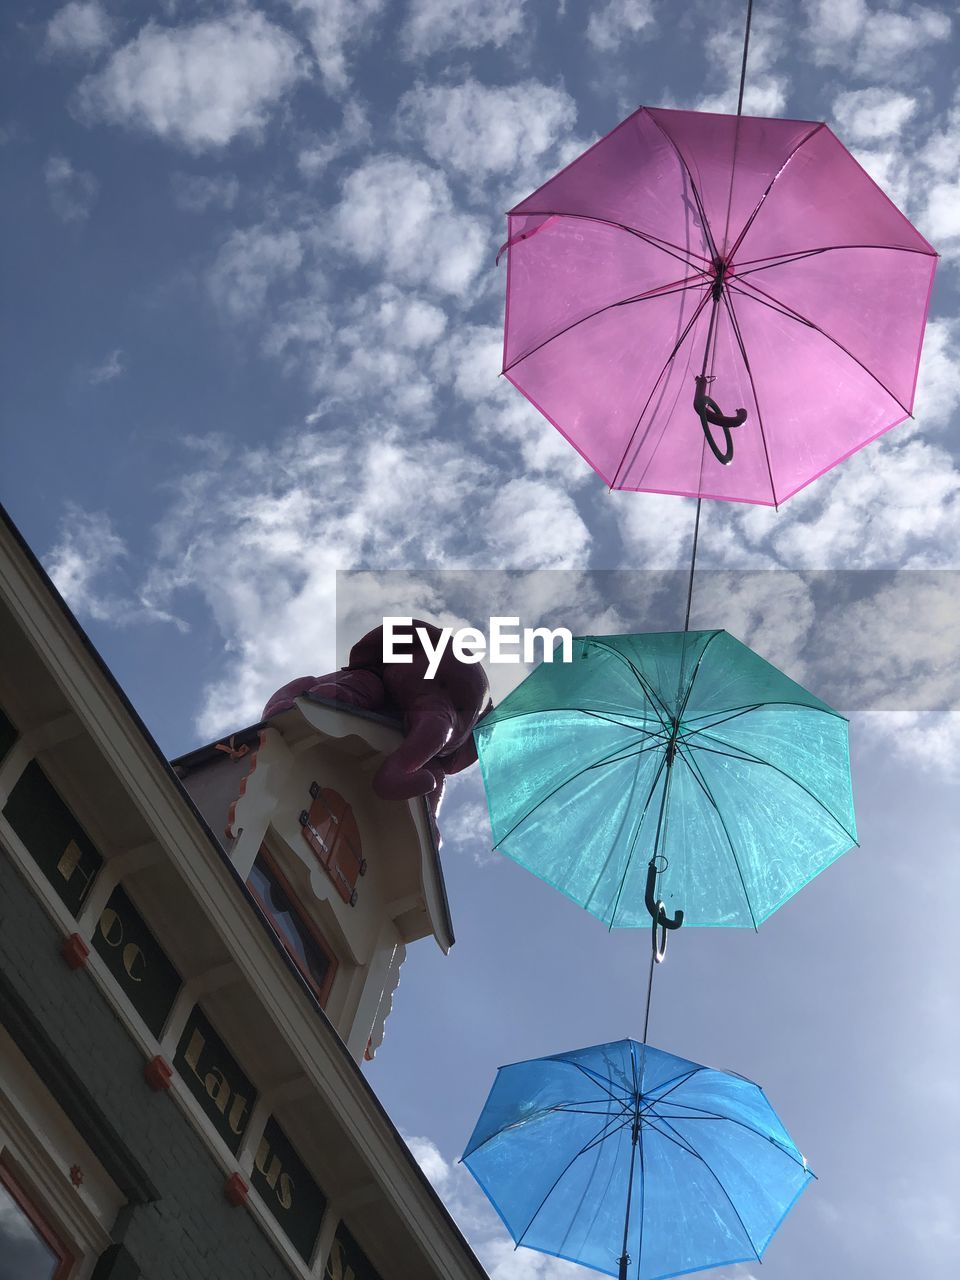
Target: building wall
(189,1231)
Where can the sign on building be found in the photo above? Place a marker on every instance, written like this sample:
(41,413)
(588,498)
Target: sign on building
(213,1076)
(288,1190)
(136,960)
(55,839)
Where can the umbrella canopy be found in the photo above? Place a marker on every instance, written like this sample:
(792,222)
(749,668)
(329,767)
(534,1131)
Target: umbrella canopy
(635,1162)
(686,747)
(752,254)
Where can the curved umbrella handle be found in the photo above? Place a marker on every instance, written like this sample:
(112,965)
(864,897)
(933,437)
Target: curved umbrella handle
(658,911)
(709,413)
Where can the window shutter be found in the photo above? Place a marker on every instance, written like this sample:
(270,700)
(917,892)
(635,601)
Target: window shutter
(330,829)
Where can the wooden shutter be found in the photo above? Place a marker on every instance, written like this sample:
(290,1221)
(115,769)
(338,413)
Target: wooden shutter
(330,829)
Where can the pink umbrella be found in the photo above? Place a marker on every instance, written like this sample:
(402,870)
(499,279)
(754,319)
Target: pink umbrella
(688,261)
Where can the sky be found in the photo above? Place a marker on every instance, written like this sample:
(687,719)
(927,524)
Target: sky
(252,329)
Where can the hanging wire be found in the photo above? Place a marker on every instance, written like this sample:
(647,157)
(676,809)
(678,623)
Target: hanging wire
(743,64)
(646,1014)
(711,335)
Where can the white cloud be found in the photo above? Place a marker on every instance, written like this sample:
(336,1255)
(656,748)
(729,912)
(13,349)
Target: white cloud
(930,740)
(200,85)
(80,29)
(905,660)
(469,361)
(892,505)
(434,26)
(259,533)
(940,219)
(470,1208)
(332,27)
(112,367)
(938,387)
(89,551)
(617,20)
(890,167)
(465,820)
(656,530)
(866,115)
(870,43)
(889,37)
(72,192)
(376,341)
(765,91)
(481,130)
(535,525)
(428,1157)
(914,157)
(354,131)
(197,192)
(399,216)
(248,264)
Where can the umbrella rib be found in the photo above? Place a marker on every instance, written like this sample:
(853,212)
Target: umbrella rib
(749,223)
(706,1164)
(798,255)
(674,250)
(633,841)
(693,187)
(695,672)
(740,753)
(651,693)
(599,1137)
(630,755)
(698,777)
(768,300)
(725,719)
(662,743)
(595,1079)
(669,360)
(776,702)
(678,1140)
(663,291)
(675,1082)
(532,1118)
(753,386)
(679,1083)
(555,790)
(622,724)
(577,1109)
(710,1115)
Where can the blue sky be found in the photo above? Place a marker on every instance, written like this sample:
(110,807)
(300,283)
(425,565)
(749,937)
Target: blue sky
(252,337)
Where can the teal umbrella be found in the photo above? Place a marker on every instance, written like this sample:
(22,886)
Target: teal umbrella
(676,772)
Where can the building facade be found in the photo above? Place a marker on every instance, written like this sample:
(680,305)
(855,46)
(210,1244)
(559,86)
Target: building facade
(194,961)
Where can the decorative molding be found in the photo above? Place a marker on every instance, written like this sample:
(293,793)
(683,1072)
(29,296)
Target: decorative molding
(236,1190)
(74,951)
(158,1074)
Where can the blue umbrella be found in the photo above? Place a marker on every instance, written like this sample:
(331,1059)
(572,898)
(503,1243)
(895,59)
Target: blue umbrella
(634,1162)
(675,768)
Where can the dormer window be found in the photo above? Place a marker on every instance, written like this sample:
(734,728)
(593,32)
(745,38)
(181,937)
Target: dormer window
(302,941)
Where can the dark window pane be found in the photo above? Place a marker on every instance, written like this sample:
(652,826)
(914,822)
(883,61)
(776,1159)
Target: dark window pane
(295,934)
(24,1254)
(8,735)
